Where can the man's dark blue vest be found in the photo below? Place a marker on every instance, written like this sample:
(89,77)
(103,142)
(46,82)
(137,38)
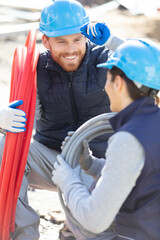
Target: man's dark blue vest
(139,217)
(66,105)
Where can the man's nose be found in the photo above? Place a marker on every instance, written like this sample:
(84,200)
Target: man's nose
(71,48)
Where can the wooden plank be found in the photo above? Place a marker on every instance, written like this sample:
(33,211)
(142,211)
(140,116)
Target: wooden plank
(25,4)
(20,14)
(6,31)
(6,19)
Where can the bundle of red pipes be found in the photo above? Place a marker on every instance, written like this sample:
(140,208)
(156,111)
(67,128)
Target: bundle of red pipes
(23,87)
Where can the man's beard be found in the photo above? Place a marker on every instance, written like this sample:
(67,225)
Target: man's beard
(72,66)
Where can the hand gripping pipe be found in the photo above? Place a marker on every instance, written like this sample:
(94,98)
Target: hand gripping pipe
(71,152)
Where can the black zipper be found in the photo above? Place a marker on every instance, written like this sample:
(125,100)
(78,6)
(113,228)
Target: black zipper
(74,109)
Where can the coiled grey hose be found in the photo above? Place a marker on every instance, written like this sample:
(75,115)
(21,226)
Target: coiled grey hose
(71,152)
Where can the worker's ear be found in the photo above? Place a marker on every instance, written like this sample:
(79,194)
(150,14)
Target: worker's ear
(118,83)
(45,41)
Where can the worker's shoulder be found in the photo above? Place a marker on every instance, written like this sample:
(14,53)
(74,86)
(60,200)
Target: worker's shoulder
(43,58)
(44,55)
(98,52)
(96,48)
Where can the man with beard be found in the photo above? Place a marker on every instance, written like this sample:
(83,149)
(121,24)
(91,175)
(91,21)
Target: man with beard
(70,91)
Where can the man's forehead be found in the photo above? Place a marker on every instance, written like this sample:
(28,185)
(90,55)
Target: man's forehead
(72,36)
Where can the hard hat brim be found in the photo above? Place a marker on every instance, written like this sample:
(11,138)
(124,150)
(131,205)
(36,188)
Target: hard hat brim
(61,32)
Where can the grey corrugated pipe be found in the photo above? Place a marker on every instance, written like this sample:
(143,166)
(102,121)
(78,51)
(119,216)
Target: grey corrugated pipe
(71,152)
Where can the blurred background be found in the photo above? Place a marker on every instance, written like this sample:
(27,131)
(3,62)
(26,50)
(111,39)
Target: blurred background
(125,18)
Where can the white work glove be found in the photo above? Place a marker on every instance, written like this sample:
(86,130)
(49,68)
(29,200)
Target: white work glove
(12,119)
(67,139)
(86,158)
(97,33)
(63,175)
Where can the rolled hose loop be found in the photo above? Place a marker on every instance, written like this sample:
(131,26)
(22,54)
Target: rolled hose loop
(71,152)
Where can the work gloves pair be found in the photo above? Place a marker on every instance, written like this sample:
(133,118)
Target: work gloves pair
(13,119)
(63,174)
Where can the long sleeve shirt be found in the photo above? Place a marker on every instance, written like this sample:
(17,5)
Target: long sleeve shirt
(124,161)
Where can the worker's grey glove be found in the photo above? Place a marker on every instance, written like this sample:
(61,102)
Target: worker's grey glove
(12,119)
(98,33)
(67,139)
(86,158)
(63,175)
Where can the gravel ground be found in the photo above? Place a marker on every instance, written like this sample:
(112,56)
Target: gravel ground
(121,23)
(47,205)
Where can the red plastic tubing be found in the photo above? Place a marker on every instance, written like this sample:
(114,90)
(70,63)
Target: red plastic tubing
(23,87)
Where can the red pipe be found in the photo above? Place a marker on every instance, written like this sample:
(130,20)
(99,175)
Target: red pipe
(23,86)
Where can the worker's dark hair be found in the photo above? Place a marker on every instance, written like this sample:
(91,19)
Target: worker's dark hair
(134,92)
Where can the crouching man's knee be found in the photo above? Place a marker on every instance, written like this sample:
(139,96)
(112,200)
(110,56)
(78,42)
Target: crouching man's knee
(27,220)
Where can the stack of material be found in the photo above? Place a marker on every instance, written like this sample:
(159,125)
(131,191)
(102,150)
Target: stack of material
(23,86)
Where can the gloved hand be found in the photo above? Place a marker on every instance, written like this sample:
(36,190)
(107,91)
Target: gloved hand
(86,158)
(98,33)
(63,175)
(12,119)
(67,139)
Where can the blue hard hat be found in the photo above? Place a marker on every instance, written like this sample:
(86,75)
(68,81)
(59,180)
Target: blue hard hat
(62,17)
(139,59)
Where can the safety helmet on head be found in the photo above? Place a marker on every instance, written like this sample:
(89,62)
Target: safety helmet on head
(139,59)
(62,17)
